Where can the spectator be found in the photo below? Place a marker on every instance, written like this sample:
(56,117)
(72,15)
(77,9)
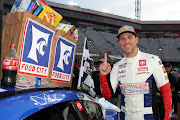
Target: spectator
(173,82)
(92,64)
(178,98)
(175,73)
(178,88)
(75,78)
(95,77)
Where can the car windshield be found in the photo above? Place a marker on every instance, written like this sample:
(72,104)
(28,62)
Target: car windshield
(70,110)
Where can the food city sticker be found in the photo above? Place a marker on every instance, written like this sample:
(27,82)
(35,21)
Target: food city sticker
(35,49)
(63,60)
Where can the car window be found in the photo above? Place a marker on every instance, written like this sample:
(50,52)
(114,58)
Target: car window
(70,110)
(93,109)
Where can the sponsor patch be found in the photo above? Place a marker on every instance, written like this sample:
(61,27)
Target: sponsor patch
(166,78)
(164,70)
(134,88)
(122,76)
(143,73)
(122,66)
(80,96)
(122,71)
(79,106)
(89,71)
(124,28)
(142,62)
(143,69)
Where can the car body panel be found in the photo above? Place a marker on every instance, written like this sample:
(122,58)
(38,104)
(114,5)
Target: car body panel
(21,105)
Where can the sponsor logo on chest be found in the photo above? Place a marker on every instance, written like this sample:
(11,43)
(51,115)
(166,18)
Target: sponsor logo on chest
(143,69)
(134,88)
(142,66)
(122,71)
(142,62)
(122,66)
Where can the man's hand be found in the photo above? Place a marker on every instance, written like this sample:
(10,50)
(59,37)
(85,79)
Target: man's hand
(105,67)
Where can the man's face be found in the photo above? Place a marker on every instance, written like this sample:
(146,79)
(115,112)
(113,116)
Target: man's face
(128,42)
(91,63)
(168,69)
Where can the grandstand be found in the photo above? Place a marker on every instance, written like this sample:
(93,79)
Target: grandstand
(161,38)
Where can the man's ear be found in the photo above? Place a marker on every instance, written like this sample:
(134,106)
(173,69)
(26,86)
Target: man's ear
(137,39)
(119,42)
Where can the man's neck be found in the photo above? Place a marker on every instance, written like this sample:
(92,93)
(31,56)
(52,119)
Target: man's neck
(133,54)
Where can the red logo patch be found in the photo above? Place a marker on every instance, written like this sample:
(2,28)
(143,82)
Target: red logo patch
(143,69)
(142,62)
(78,104)
(164,70)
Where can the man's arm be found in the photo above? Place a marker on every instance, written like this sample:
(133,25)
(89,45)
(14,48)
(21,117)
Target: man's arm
(166,95)
(106,87)
(105,69)
(163,84)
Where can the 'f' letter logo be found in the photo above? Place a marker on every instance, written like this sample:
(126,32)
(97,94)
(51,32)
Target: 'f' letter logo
(64,54)
(39,40)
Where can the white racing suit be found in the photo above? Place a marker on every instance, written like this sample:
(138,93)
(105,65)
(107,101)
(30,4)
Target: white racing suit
(137,78)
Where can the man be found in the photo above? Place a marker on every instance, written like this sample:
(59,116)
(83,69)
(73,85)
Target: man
(75,78)
(175,73)
(136,75)
(172,79)
(92,64)
(178,98)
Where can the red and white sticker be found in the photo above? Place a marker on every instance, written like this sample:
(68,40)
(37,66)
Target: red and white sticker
(10,64)
(78,104)
(143,69)
(134,88)
(142,62)
(164,70)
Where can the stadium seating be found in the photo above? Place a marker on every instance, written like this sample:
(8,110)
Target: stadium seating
(101,42)
(170,52)
(80,43)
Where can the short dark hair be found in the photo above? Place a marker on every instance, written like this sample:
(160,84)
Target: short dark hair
(167,65)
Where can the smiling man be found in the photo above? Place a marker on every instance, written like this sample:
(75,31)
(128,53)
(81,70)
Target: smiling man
(137,76)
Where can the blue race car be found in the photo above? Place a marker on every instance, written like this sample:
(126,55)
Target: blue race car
(48,104)
(51,104)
